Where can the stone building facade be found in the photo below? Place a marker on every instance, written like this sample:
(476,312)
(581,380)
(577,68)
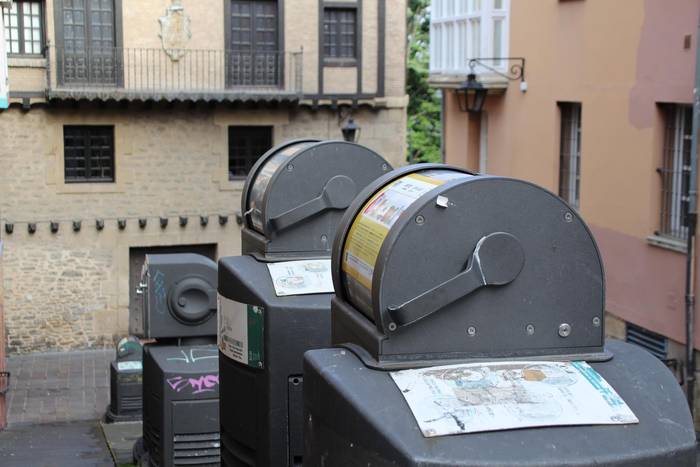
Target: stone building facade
(138,112)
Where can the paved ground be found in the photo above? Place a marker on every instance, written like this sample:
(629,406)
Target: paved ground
(74,444)
(58,387)
(121,438)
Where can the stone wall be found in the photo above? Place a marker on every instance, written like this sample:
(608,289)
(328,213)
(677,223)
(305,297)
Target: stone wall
(69,289)
(3,402)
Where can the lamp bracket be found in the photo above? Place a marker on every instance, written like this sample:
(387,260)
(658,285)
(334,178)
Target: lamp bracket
(515,71)
(344,112)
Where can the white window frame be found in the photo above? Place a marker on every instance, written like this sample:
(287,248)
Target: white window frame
(570,153)
(675,171)
(452,26)
(4,79)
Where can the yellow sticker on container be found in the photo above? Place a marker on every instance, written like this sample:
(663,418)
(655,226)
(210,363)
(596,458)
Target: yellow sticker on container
(378,215)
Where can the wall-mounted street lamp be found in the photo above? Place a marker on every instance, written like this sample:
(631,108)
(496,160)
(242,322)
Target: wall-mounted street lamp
(348,127)
(516,71)
(351,131)
(471,95)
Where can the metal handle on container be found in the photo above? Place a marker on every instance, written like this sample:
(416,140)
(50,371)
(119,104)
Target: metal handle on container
(498,259)
(338,193)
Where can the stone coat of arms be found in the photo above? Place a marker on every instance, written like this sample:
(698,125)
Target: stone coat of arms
(175,30)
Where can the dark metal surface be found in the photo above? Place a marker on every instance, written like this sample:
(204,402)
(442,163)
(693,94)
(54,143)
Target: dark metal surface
(351,212)
(179,297)
(293,198)
(515,71)
(125,384)
(497,260)
(338,192)
(561,282)
(260,408)
(181,400)
(125,394)
(253,173)
(355,416)
(143,74)
(314,184)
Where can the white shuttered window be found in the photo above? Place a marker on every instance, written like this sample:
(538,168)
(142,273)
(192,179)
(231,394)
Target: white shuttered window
(464,29)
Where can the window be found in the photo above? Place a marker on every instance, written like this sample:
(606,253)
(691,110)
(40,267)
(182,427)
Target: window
(88,153)
(86,41)
(675,172)
(464,29)
(570,153)
(340,33)
(23,28)
(245,145)
(254,58)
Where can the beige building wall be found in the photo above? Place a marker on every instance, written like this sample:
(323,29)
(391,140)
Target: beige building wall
(301,33)
(71,289)
(620,60)
(145,65)
(3,344)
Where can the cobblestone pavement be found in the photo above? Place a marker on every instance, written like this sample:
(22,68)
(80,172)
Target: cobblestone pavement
(73,444)
(58,387)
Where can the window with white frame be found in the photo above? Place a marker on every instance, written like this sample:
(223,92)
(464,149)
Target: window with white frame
(675,171)
(570,153)
(23,27)
(464,29)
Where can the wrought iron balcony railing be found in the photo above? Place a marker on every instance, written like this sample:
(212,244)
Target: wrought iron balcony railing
(187,74)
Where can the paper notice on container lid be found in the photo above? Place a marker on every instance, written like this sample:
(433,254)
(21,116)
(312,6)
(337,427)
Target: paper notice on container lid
(301,277)
(129,365)
(477,397)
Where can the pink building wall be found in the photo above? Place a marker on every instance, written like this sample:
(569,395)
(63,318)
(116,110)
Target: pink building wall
(619,60)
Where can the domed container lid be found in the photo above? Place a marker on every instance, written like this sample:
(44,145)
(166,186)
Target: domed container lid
(432,263)
(264,170)
(297,192)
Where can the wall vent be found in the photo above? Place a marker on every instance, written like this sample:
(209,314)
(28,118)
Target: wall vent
(656,344)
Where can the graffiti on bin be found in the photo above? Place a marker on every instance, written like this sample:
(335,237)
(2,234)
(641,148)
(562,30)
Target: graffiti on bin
(161,292)
(204,383)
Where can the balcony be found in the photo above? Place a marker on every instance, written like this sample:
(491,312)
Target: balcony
(141,74)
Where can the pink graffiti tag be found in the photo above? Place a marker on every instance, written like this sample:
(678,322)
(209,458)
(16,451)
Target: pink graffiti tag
(205,383)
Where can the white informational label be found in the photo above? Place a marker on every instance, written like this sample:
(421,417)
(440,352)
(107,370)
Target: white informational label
(4,79)
(476,397)
(136,365)
(240,332)
(301,277)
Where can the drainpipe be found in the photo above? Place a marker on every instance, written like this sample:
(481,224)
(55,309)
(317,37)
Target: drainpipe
(692,221)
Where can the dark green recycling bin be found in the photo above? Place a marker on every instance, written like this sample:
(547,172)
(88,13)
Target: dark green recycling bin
(274,300)
(467,306)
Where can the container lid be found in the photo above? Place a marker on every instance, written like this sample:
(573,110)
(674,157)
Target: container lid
(297,192)
(433,260)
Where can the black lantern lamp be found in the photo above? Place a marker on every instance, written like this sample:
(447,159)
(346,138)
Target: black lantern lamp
(351,131)
(471,95)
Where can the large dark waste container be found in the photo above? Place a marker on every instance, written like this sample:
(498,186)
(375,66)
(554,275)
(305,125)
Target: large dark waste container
(125,378)
(274,300)
(454,276)
(180,368)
